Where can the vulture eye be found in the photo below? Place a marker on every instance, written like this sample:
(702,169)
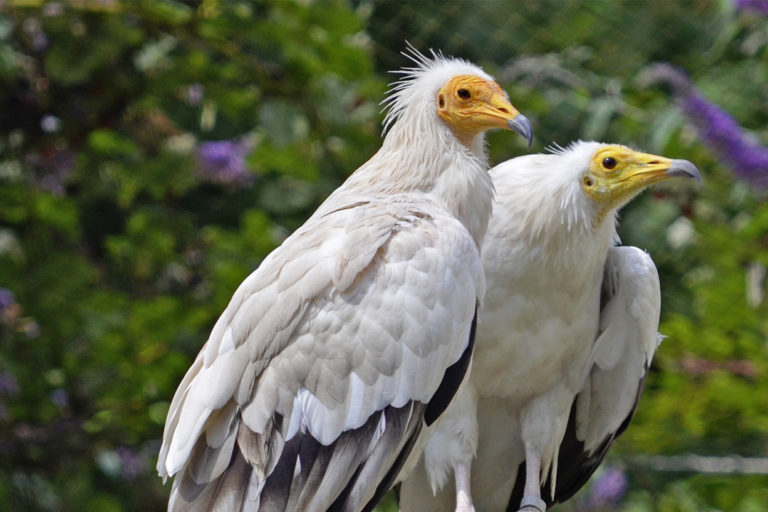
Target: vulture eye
(463,94)
(609,162)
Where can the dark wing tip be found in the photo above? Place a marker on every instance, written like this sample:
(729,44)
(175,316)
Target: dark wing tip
(452,379)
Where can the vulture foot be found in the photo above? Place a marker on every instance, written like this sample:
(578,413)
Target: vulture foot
(532,504)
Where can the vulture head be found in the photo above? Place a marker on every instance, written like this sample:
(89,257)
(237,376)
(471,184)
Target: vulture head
(440,92)
(616,174)
(576,188)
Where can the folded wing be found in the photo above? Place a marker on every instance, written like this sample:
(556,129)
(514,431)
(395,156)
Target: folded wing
(321,371)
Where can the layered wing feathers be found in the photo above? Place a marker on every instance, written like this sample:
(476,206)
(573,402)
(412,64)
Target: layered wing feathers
(623,351)
(358,313)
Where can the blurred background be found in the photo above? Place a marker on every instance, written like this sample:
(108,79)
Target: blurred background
(153,152)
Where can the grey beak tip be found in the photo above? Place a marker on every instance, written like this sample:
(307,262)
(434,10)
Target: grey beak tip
(685,169)
(520,124)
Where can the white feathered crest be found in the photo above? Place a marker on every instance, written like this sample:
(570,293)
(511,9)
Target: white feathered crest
(410,87)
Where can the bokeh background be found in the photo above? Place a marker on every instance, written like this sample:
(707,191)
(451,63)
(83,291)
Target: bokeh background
(153,152)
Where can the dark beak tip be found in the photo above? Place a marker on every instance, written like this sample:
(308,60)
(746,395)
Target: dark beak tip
(520,124)
(685,169)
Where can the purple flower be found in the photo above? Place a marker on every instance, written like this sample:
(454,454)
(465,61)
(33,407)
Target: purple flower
(8,384)
(224,162)
(609,489)
(34,30)
(52,169)
(194,94)
(132,464)
(60,398)
(745,155)
(760,6)
(7,299)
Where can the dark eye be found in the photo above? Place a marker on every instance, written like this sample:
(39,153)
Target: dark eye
(609,162)
(463,94)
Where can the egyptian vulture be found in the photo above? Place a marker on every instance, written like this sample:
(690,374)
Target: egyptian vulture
(565,337)
(355,332)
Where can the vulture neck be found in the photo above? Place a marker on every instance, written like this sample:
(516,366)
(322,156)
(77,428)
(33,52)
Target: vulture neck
(424,157)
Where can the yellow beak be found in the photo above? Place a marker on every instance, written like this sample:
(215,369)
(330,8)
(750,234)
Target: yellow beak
(648,169)
(617,174)
(508,116)
(472,105)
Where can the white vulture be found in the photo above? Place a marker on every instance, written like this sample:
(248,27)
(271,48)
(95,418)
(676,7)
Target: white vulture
(565,337)
(357,331)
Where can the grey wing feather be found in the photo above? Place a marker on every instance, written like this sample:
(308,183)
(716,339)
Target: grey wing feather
(623,351)
(316,378)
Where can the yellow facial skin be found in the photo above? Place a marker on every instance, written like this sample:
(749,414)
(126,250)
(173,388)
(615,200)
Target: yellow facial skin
(617,174)
(471,105)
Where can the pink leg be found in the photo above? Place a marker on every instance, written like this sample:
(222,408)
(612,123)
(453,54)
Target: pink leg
(532,501)
(463,491)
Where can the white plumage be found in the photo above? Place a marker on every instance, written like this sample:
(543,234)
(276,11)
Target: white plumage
(567,330)
(321,371)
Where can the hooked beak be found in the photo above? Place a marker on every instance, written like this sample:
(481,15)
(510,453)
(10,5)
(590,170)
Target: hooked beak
(471,105)
(617,174)
(650,169)
(684,169)
(500,107)
(520,124)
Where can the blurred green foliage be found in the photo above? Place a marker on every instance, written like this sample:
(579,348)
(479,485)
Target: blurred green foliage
(119,249)
(153,152)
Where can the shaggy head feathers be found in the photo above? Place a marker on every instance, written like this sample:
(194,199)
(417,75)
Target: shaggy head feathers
(545,190)
(414,94)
